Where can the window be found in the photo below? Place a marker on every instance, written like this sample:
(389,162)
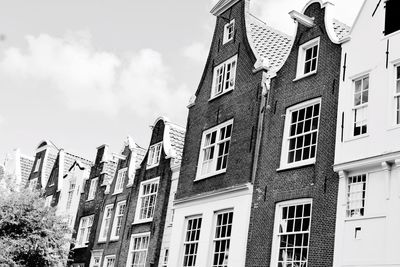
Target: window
(397,94)
(33,184)
(308,58)
(299,146)
(85,226)
(154,155)
(165,258)
(70,194)
(356,189)
(147,200)
(361,87)
(224,77)
(117,224)
(78,265)
(109,261)
(119,183)
(229,31)
(138,250)
(48,201)
(392,21)
(105,224)
(92,188)
(191,242)
(292,233)
(37,165)
(96,258)
(214,150)
(222,236)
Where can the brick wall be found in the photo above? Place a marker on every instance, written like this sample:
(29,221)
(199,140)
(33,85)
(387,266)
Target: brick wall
(242,104)
(317,181)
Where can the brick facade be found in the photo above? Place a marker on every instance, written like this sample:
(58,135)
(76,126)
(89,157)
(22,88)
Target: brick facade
(316,181)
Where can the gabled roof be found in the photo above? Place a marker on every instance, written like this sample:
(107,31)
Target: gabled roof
(341,29)
(70,159)
(268,43)
(177,137)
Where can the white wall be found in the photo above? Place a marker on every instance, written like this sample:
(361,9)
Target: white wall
(366,53)
(240,202)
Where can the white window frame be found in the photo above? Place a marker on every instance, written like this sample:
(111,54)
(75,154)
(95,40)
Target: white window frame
(85,226)
(153,158)
(70,195)
(227,238)
(276,241)
(37,165)
(164,262)
(286,135)
(106,222)
(48,201)
(92,188)
(216,147)
(396,94)
(362,107)
(229,32)
(109,257)
(33,184)
(141,197)
(223,80)
(189,242)
(78,265)
(132,250)
(349,200)
(120,181)
(118,219)
(96,254)
(301,59)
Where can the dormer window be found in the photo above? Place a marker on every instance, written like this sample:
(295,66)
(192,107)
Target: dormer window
(308,58)
(392,20)
(224,77)
(229,31)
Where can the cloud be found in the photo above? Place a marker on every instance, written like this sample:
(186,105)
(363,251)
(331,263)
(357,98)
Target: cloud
(2,120)
(197,52)
(94,80)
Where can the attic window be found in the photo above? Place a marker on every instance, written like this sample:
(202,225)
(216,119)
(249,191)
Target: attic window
(229,31)
(392,19)
(308,58)
(224,77)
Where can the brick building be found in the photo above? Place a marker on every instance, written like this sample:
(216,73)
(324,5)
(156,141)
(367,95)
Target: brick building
(149,204)
(294,202)
(213,200)
(367,156)
(110,229)
(90,204)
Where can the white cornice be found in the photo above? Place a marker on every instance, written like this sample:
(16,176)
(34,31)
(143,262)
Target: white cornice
(367,162)
(207,196)
(302,19)
(222,6)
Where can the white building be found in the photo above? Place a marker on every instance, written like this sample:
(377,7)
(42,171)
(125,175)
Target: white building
(367,155)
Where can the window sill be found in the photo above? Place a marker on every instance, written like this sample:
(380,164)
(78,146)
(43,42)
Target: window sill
(82,246)
(87,200)
(142,221)
(129,185)
(148,167)
(296,166)
(390,35)
(113,239)
(305,75)
(116,193)
(353,138)
(209,175)
(394,127)
(360,218)
(101,241)
(217,96)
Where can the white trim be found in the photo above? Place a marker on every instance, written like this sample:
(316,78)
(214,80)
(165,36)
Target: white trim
(213,172)
(222,6)
(107,258)
(151,160)
(278,212)
(285,142)
(95,254)
(301,58)
(107,208)
(118,180)
(232,79)
(133,236)
(226,37)
(139,201)
(94,182)
(302,19)
(116,216)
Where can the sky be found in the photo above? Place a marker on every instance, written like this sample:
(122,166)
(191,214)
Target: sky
(87,73)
